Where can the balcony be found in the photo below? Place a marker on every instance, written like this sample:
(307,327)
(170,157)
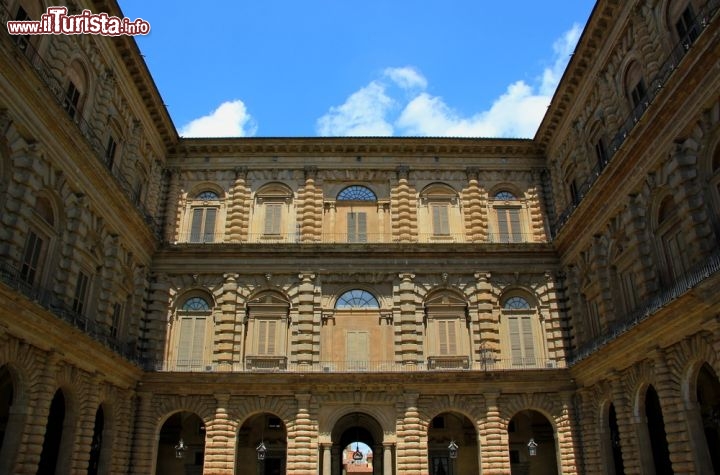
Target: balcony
(53,303)
(279,364)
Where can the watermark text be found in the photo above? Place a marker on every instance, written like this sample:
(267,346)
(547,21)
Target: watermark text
(56,21)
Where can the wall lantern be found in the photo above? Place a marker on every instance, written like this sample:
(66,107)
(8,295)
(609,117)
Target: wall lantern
(532,447)
(453,449)
(180,449)
(261,451)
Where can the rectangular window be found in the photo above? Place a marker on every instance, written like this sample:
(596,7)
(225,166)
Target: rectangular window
(522,343)
(593,318)
(440,220)
(81,290)
(72,99)
(273,218)
(628,291)
(447,337)
(31,258)
(675,257)
(574,196)
(357,227)
(202,228)
(601,152)
(110,152)
(509,224)
(267,330)
(191,347)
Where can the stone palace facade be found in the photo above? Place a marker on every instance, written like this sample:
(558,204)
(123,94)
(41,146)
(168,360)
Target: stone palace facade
(457,306)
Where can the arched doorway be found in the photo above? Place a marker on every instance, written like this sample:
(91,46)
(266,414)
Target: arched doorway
(53,435)
(656,433)
(357,447)
(262,444)
(181,445)
(532,444)
(96,444)
(614,442)
(452,445)
(708,398)
(7,394)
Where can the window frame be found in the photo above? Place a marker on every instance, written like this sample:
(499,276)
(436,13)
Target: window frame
(200,228)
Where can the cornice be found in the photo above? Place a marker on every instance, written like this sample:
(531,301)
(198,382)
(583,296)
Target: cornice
(317,146)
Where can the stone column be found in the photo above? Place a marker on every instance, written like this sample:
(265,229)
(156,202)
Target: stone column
(406,330)
(308,322)
(568,455)
(228,329)
(387,458)
(326,459)
(236,225)
(474,207)
(220,440)
(336,458)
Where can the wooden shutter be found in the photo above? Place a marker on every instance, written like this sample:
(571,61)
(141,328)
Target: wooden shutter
(191,344)
(357,348)
(196,225)
(351,226)
(266,337)
(514,220)
(209,230)
(273,214)
(441,223)
(447,337)
(362,227)
(516,352)
(528,342)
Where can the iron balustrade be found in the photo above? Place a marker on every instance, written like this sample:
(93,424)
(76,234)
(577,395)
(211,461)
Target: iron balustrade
(344,238)
(702,20)
(280,364)
(55,85)
(52,302)
(651,306)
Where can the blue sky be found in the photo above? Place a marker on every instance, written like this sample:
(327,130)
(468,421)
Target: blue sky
(290,68)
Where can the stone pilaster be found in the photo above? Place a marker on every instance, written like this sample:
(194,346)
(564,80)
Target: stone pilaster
(156,321)
(144,441)
(593,434)
(409,349)
(220,440)
(404,206)
(310,208)
(488,346)
(39,401)
(305,348)
(228,328)
(173,207)
(88,406)
(536,208)
(475,208)
(238,219)
(627,425)
(568,451)
(303,439)
(494,442)
(411,438)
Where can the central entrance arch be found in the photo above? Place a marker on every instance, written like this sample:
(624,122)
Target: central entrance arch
(357,446)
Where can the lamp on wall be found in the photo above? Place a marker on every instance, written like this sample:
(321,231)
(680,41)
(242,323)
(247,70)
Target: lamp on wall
(261,450)
(532,447)
(453,449)
(180,449)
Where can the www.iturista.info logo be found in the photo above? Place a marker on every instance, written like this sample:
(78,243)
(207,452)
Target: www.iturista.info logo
(56,21)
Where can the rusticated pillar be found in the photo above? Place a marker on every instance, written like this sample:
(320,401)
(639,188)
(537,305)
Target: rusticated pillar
(145,443)
(303,440)
(220,440)
(411,439)
(494,442)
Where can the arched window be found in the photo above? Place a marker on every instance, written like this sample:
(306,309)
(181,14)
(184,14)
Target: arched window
(356,299)
(39,242)
(683,22)
(204,216)
(522,330)
(191,345)
(356,193)
(635,88)
(510,215)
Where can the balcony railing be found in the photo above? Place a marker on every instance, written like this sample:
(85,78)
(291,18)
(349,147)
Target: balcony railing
(26,49)
(342,238)
(681,286)
(702,20)
(281,365)
(51,302)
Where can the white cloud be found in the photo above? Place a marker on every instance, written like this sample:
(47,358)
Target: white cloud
(230,119)
(516,113)
(362,114)
(407,77)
